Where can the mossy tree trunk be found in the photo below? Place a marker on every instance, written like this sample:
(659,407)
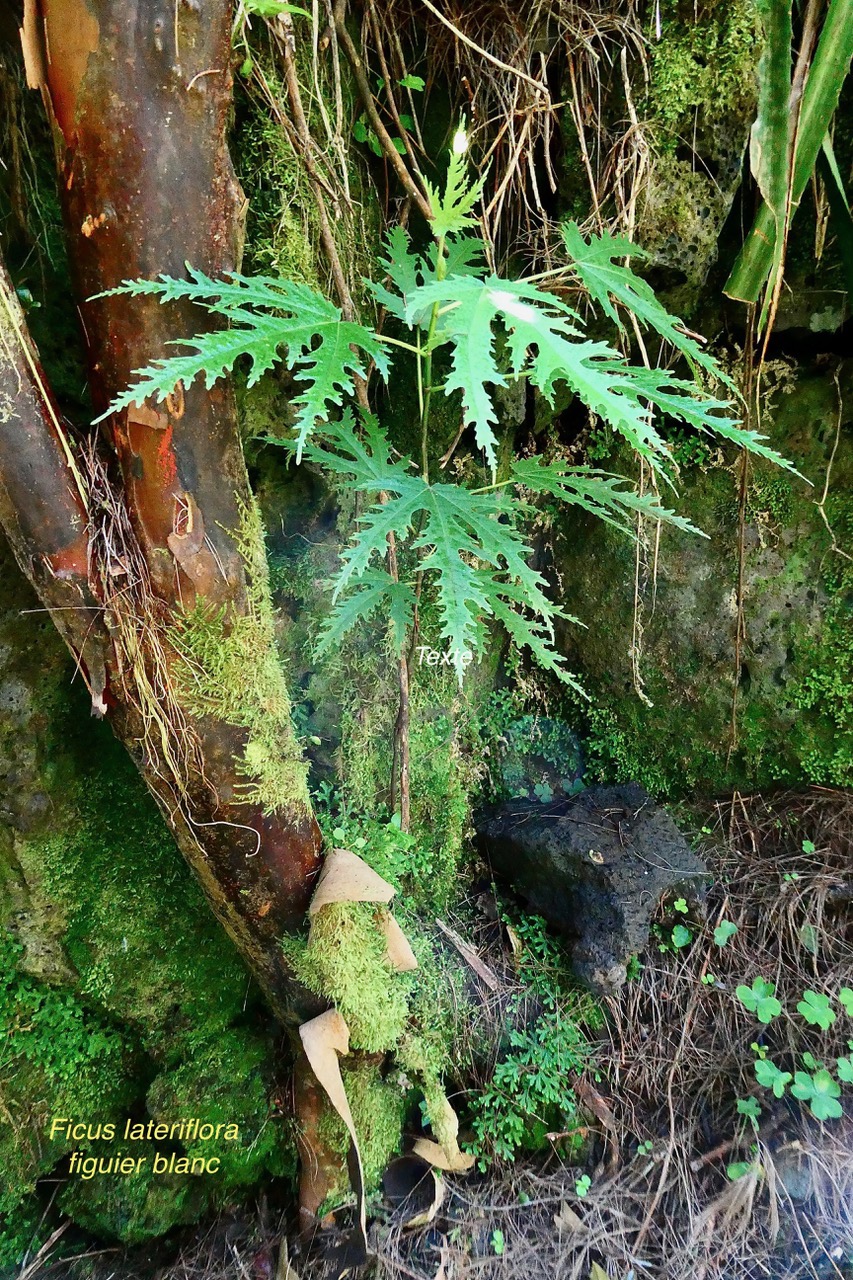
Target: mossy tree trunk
(152,559)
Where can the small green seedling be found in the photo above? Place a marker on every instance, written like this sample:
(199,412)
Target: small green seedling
(681,936)
(817,1009)
(771,1077)
(583,1185)
(680,904)
(645,1148)
(739,1168)
(760,1000)
(498,1242)
(750,1108)
(845,1070)
(845,997)
(790,876)
(708,979)
(821,1091)
(724,931)
(808,846)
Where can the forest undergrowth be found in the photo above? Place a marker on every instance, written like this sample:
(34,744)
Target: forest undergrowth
(688,1166)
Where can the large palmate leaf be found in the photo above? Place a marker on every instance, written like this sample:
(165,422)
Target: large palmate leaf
(609,282)
(605,495)
(672,396)
(375,591)
(544,343)
(471,551)
(270,320)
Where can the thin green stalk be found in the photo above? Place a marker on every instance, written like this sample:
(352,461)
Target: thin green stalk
(397,342)
(488,488)
(440,270)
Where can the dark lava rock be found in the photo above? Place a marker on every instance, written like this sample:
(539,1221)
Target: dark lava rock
(595,866)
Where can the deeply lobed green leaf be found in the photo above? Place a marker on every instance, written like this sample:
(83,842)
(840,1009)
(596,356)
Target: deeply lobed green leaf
(270,320)
(470,548)
(609,282)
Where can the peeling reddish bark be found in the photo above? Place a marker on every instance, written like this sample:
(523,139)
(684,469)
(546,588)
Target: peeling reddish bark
(42,502)
(138,92)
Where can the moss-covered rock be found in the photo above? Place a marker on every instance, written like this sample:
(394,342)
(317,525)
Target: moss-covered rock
(119,993)
(795,676)
(699,105)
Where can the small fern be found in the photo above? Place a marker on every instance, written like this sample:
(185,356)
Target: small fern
(463,544)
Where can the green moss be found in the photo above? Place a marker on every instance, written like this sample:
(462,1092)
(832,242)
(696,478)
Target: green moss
(229,1081)
(377,1107)
(703,61)
(119,994)
(698,107)
(345,961)
(283,228)
(282,232)
(231,670)
(58,1057)
(796,659)
(826,686)
(137,1206)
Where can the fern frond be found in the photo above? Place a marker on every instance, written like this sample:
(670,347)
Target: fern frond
(270,320)
(608,281)
(605,495)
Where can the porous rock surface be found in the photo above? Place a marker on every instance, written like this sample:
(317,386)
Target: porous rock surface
(595,866)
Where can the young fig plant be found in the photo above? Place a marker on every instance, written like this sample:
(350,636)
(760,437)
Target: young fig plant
(459,544)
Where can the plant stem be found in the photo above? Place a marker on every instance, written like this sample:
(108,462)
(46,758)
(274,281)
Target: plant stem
(397,342)
(500,484)
(440,269)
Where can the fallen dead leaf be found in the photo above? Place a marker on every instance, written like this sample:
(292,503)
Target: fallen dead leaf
(398,949)
(284,1270)
(324,1038)
(445,1153)
(469,954)
(347,878)
(568,1220)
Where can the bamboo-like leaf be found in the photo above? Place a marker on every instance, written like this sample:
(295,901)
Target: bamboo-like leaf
(839,208)
(828,71)
(771,136)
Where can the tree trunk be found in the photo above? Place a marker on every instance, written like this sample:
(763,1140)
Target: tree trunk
(138,95)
